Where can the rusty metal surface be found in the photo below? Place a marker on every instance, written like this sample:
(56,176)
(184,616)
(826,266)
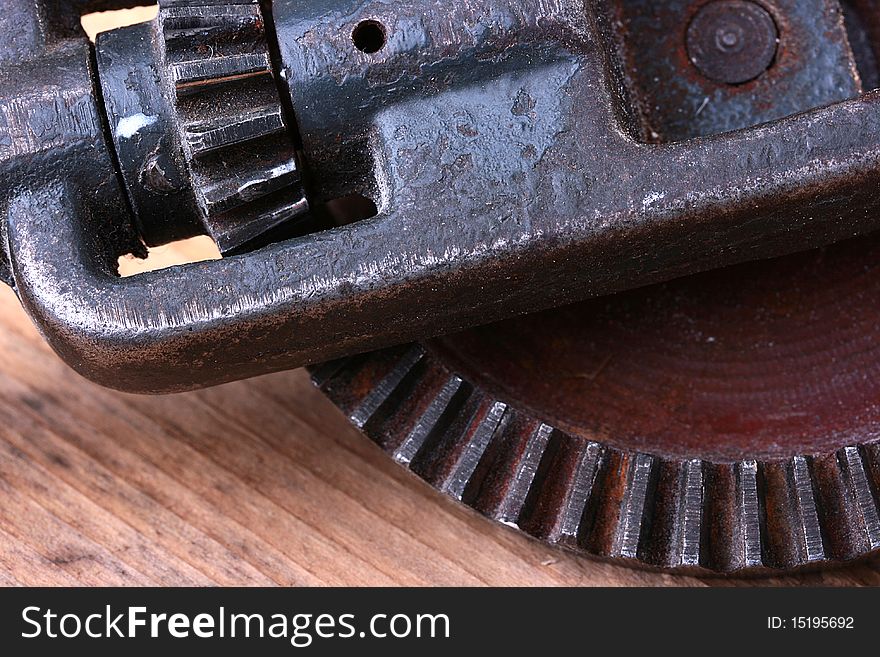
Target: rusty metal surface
(468,129)
(812,65)
(732,41)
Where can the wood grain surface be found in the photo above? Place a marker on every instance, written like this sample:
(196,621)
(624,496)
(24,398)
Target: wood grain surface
(260,482)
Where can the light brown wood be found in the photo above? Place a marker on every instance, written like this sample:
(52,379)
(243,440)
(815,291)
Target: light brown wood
(257,482)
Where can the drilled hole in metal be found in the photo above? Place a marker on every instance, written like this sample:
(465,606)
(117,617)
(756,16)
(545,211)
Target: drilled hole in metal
(369,36)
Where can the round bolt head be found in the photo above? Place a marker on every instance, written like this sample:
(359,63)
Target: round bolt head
(732,41)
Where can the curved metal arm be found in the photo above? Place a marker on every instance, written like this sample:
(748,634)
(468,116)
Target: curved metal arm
(393,279)
(510,189)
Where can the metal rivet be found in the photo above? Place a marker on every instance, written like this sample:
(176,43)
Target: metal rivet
(732,41)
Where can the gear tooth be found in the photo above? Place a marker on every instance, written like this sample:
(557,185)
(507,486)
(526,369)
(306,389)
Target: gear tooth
(689,539)
(200,74)
(205,18)
(747,530)
(431,423)
(601,520)
(782,530)
(208,17)
(384,391)
(675,534)
(242,227)
(471,447)
(351,380)
(208,45)
(871,460)
(229,184)
(242,160)
(809,531)
(792,530)
(863,494)
(524,476)
(839,513)
(723,546)
(614,518)
(170,4)
(223,131)
(582,482)
(635,507)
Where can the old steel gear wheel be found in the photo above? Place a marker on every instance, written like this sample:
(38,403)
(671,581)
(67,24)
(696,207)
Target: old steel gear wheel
(709,423)
(379,174)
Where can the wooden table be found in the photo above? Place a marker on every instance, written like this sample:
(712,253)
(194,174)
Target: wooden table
(257,482)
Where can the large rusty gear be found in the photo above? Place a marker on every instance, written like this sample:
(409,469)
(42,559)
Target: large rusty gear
(704,424)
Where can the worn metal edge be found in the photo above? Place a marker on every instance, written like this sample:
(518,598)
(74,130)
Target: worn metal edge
(644,510)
